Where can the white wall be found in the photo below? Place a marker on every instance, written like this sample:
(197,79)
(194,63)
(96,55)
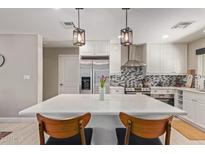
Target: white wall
(21,53)
(192,58)
(50,69)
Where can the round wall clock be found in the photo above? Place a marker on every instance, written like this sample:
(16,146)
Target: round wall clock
(2,60)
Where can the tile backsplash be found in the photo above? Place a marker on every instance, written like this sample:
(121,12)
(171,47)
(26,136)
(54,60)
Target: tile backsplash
(133,76)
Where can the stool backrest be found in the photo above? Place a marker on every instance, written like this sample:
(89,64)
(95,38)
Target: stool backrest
(62,128)
(146,128)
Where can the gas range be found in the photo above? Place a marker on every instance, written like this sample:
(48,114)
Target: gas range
(135,90)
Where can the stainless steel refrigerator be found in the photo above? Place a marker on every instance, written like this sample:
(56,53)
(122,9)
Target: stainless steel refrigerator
(91,69)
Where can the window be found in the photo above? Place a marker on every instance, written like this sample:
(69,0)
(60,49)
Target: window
(201,65)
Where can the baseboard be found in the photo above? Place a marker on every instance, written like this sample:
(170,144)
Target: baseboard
(16,119)
(191,123)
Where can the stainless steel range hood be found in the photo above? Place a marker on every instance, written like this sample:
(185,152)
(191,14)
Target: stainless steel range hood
(131,62)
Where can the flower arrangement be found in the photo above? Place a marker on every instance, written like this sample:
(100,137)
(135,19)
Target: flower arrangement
(103,81)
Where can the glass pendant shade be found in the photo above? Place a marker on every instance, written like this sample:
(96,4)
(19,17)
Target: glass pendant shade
(126,36)
(78,37)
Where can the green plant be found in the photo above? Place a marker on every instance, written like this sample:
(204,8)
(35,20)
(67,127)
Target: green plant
(103,81)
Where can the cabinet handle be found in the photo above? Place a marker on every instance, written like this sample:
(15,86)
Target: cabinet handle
(194,100)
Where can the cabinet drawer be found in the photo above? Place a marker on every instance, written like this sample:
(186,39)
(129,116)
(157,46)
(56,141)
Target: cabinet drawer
(116,90)
(200,98)
(189,95)
(194,96)
(164,91)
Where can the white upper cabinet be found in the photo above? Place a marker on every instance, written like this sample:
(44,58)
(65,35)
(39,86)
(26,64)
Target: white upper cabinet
(87,49)
(181,58)
(166,58)
(102,48)
(95,48)
(168,55)
(115,58)
(153,59)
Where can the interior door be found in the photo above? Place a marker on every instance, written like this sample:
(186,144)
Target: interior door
(68,74)
(100,67)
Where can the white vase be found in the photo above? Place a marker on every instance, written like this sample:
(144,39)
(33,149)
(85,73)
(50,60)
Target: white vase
(102,93)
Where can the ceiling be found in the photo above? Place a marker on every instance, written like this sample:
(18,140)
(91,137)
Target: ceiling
(104,24)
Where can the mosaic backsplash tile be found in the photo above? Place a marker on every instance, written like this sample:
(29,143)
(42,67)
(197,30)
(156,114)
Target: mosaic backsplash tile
(134,76)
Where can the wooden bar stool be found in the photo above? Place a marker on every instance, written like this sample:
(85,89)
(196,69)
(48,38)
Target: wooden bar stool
(65,132)
(143,131)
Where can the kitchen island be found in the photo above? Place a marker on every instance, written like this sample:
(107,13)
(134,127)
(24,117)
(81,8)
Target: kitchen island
(104,113)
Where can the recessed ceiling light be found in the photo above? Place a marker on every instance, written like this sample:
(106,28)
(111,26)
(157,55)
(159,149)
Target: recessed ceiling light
(56,8)
(165,36)
(204,31)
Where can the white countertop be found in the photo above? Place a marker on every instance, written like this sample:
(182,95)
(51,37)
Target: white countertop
(113,104)
(180,88)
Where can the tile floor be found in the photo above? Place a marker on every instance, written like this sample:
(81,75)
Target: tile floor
(27,133)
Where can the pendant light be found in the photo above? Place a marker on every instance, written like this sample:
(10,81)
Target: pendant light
(78,33)
(126,34)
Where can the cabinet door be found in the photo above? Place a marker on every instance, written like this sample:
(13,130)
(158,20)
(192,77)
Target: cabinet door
(116,90)
(115,58)
(190,107)
(200,114)
(168,59)
(87,49)
(153,58)
(181,58)
(101,48)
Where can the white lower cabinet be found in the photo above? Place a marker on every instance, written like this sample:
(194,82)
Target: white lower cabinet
(190,107)
(116,90)
(200,114)
(194,105)
(162,91)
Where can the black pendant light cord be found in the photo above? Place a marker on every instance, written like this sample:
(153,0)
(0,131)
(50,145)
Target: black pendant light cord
(126,15)
(78,18)
(126,18)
